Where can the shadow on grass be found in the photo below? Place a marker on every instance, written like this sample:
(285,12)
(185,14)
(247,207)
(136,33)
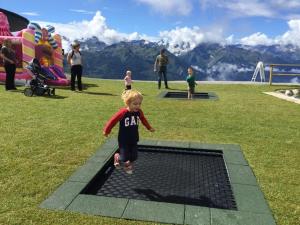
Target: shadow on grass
(48,97)
(53,97)
(87,86)
(16,91)
(175,89)
(96,93)
(43,96)
(84,86)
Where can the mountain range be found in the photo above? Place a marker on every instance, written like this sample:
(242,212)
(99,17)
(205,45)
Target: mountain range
(211,61)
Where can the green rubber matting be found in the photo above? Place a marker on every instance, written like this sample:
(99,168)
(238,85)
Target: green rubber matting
(252,207)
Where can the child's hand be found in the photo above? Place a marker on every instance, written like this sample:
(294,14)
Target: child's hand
(152,129)
(105,134)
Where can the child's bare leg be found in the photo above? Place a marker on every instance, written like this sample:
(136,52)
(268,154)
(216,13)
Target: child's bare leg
(128,164)
(128,167)
(117,160)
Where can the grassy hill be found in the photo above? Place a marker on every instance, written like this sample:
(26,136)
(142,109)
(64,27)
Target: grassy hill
(43,140)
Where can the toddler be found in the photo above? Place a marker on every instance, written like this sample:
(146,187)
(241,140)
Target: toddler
(128,80)
(190,79)
(128,137)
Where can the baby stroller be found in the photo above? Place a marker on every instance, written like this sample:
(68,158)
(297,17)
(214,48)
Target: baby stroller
(37,85)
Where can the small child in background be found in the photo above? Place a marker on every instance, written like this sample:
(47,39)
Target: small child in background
(190,79)
(128,137)
(128,80)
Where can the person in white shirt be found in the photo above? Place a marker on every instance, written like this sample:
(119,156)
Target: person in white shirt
(128,80)
(75,60)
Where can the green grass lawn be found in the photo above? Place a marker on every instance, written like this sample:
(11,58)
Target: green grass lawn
(43,140)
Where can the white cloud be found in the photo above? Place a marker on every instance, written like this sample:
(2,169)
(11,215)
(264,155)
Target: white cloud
(241,8)
(224,71)
(295,80)
(179,39)
(204,4)
(82,11)
(257,39)
(292,17)
(292,36)
(249,8)
(182,39)
(96,27)
(265,8)
(290,4)
(30,13)
(295,71)
(230,39)
(182,7)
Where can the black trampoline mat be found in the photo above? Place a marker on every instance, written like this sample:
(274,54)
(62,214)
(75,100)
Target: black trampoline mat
(167,174)
(201,95)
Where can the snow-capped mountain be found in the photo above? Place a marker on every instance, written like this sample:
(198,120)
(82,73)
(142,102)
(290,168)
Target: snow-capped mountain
(176,48)
(211,61)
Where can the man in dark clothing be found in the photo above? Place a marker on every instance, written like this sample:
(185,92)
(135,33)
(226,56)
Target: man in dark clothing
(9,60)
(160,65)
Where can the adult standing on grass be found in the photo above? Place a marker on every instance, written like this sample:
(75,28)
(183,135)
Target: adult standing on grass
(160,65)
(75,60)
(9,60)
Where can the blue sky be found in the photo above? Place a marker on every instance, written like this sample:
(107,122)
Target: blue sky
(175,21)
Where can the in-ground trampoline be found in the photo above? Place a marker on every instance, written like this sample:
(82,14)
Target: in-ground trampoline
(173,182)
(183,95)
(169,174)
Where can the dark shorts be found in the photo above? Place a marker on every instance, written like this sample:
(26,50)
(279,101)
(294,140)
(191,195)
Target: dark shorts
(192,90)
(128,152)
(128,87)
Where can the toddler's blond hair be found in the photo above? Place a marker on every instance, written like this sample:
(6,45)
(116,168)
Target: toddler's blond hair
(129,95)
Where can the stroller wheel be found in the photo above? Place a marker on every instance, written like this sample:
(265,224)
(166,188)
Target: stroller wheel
(53,91)
(49,92)
(28,92)
(39,91)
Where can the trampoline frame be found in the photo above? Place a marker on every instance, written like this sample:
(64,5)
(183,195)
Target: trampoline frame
(211,95)
(252,207)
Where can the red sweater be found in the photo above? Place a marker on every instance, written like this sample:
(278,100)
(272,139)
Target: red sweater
(128,129)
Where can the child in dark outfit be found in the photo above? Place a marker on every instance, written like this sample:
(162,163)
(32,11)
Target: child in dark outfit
(190,79)
(128,137)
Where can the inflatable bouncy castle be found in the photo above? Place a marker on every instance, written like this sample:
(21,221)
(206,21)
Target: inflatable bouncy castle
(35,42)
